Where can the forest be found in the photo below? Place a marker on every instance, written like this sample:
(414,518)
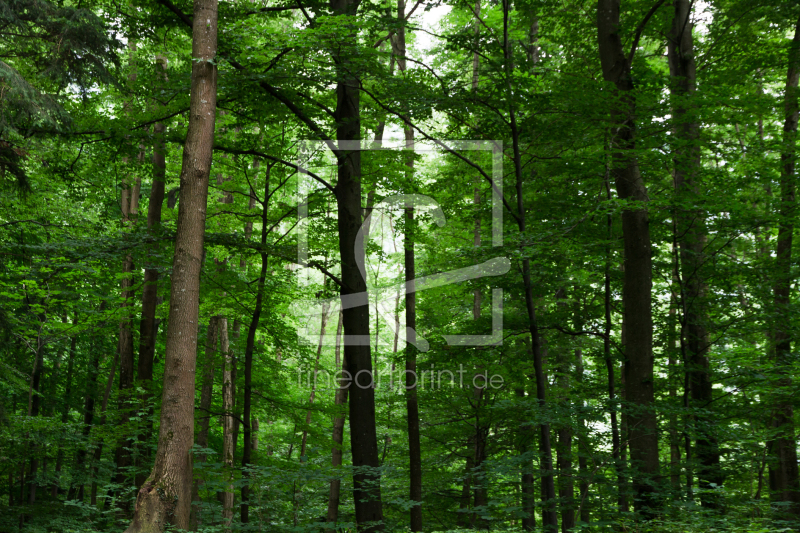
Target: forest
(367,266)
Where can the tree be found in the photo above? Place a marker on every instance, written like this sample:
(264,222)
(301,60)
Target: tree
(166,496)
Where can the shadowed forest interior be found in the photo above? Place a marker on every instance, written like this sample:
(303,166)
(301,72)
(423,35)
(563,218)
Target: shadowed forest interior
(369,266)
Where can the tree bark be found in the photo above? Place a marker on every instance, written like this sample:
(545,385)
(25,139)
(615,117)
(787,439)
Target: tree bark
(637,279)
(691,228)
(123,457)
(784,474)
(250,428)
(549,512)
(148,327)
(357,353)
(412,405)
(165,498)
(412,402)
(566,486)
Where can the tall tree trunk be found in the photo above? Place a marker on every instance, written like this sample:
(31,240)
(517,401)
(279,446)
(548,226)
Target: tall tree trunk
(622,504)
(251,428)
(412,402)
(549,512)
(672,340)
(227,421)
(637,278)
(338,436)
(412,405)
(784,473)
(165,498)
(148,327)
(691,228)
(357,353)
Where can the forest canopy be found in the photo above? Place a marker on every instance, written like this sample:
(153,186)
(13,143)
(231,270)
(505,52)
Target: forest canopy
(366,266)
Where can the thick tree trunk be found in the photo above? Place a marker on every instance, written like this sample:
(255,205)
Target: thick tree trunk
(622,504)
(784,474)
(637,280)
(338,436)
(412,405)
(691,228)
(357,353)
(165,498)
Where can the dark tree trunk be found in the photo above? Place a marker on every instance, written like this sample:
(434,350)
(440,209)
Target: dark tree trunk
(249,427)
(691,228)
(549,512)
(412,405)
(527,488)
(412,402)
(784,474)
(165,498)
(637,278)
(566,485)
(357,353)
(622,503)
